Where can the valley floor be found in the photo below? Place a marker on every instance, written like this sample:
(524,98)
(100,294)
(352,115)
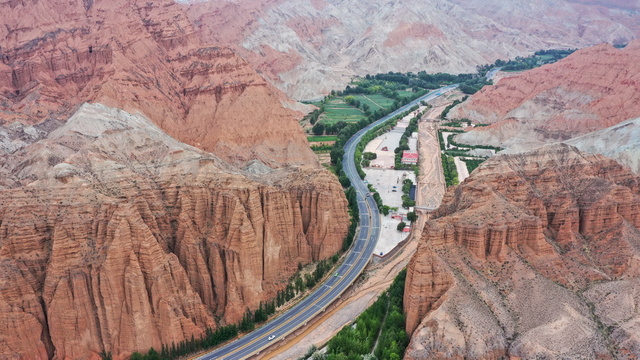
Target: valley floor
(379,276)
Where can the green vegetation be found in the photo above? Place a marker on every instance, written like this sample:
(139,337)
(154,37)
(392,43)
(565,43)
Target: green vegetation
(406,199)
(472,164)
(463,152)
(412,216)
(401,226)
(337,110)
(450,171)
(297,285)
(383,321)
(322,138)
(444,113)
(540,58)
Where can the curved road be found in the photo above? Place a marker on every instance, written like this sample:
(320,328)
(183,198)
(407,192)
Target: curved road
(355,261)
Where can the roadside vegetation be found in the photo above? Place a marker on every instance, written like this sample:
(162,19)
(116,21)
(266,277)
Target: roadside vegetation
(378,333)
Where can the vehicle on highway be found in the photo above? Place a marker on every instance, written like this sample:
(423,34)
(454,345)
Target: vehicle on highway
(271,337)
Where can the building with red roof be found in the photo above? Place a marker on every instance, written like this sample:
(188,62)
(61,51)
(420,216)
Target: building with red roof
(409,157)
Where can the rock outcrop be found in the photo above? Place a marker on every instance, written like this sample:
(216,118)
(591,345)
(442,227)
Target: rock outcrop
(135,239)
(535,255)
(620,142)
(590,90)
(308,48)
(152,185)
(147,57)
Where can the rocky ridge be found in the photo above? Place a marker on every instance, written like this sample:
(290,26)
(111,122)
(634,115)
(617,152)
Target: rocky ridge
(136,240)
(620,142)
(590,90)
(534,255)
(308,48)
(201,94)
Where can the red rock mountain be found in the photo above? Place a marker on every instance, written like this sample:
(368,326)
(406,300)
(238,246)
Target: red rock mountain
(590,90)
(151,184)
(535,255)
(143,57)
(310,47)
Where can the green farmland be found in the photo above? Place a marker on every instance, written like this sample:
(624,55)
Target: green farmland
(322,138)
(337,110)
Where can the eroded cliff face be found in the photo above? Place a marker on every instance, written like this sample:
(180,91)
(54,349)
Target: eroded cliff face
(146,57)
(530,257)
(152,184)
(592,89)
(135,239)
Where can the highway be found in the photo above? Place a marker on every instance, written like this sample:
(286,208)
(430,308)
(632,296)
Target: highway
(355,261)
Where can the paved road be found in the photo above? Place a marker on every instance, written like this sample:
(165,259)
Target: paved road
(492,73)
(355,261)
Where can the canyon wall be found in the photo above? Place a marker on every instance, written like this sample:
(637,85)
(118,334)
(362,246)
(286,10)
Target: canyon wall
(152,184)
(310,47)
(135,239)
(592,89)
(535,255)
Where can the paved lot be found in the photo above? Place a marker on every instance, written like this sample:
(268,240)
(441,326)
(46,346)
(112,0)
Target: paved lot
(390,140)
(384,180)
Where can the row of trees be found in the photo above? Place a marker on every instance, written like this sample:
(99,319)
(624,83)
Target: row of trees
(450,171)
(406,199)
(384,322)
(540,58)
(446,110)
(328,129)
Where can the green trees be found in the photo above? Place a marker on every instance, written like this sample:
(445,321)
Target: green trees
(472,164)
(412,216)
(383,321)
(450,171)
(401,226)
(406,199)
(318,129)
(369,156)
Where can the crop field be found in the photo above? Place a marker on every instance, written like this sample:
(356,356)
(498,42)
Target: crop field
(322,138)
(365,100)
(381,100)
(403,93)
(337,110)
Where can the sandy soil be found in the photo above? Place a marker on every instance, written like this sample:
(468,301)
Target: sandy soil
(461,166)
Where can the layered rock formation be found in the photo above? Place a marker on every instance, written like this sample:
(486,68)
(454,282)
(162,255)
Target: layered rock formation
(535,255)
(310,47)
(590,90)
(152,185)
(203,95)
(135,239)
